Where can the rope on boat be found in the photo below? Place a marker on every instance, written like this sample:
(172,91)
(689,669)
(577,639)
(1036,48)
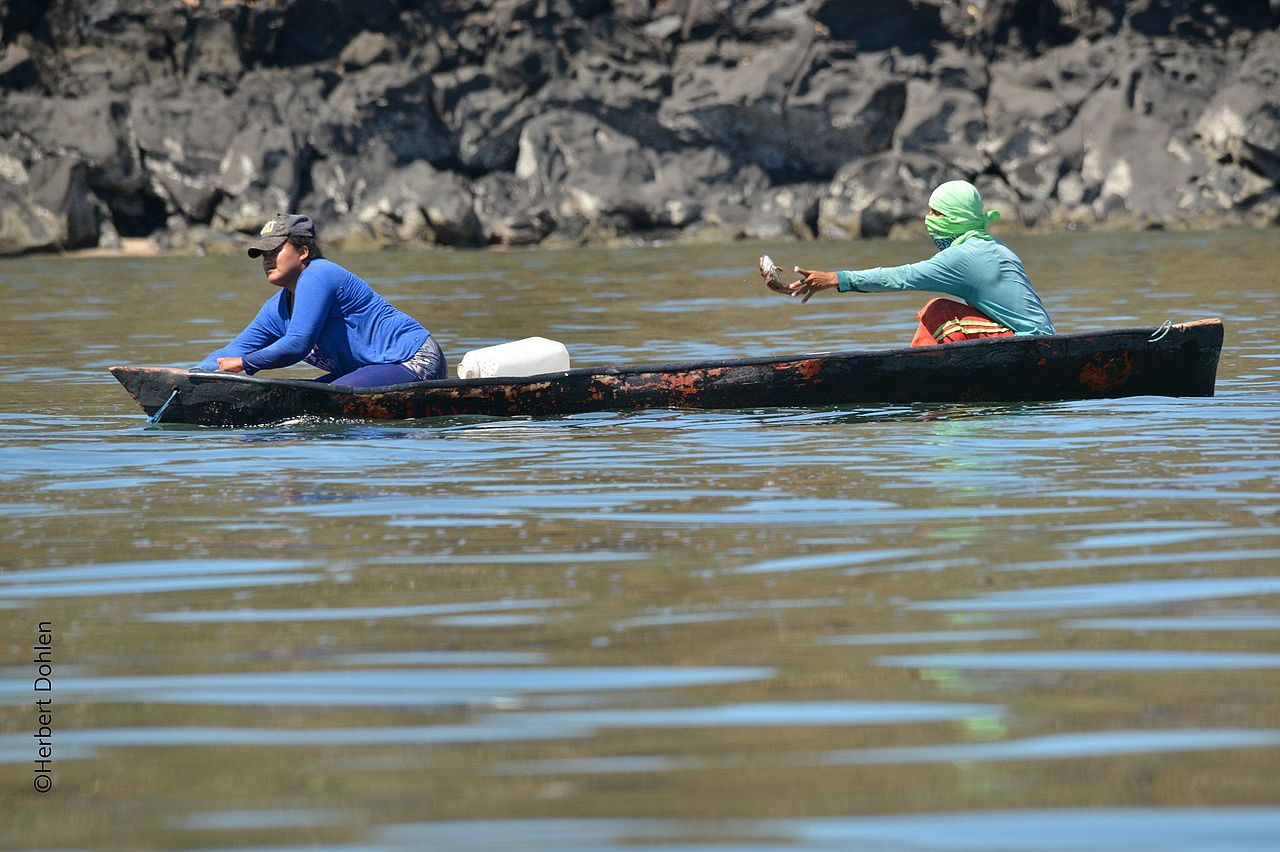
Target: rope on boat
(1161,331)
(155,418)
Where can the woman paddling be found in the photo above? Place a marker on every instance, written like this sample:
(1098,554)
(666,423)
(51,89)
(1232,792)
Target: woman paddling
(970,265)
(326,316)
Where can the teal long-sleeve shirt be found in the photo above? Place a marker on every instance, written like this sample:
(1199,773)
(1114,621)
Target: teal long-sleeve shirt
(985,273)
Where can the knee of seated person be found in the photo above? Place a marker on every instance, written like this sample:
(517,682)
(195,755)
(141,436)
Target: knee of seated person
(933,305)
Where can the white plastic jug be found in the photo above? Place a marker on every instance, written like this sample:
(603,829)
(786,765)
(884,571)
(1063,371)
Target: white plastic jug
(529,357)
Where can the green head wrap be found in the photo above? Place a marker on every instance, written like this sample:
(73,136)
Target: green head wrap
(962,215)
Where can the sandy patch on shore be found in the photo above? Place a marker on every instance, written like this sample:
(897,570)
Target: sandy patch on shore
(129,247)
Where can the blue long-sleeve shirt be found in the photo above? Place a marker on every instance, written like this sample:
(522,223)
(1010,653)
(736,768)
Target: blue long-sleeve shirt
(337,323)
(985,273)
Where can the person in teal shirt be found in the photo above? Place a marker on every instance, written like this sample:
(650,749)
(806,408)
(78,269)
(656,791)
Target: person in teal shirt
(971,265)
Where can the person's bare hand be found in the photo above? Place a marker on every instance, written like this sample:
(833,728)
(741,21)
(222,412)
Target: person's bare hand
(811,281)
(230,365)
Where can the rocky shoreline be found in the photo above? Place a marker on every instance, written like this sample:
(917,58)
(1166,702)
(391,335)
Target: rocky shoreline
(180,125)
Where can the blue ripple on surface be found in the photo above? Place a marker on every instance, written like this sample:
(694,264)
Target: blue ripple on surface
(1118,660)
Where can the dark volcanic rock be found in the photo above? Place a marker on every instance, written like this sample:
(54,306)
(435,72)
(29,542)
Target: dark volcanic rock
(96,129)
(594,172)
(266,157)
(299,32)
(213,54)
(183,135)
(17,67)
(485,119)
(909,25)
(776,106)
(390,104)
(49,207)
(510,211)
(114,45)
(260,175)
(945,114)
(1030,106)
(620,89)
(1139,159)
(1198,21)
(368,48)
(419,204)
(869,197)
(785,212)
(1242,120)
(514,122)
(338,184)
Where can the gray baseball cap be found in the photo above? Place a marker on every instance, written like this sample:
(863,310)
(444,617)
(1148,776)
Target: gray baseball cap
(278,229)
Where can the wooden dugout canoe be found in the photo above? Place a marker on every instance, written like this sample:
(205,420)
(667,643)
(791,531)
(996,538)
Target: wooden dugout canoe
(1172,360)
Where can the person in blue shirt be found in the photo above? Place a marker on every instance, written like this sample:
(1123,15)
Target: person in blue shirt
(326,316)
(972,265)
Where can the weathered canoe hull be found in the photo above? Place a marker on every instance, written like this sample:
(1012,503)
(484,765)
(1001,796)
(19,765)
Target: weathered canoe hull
(1181,360)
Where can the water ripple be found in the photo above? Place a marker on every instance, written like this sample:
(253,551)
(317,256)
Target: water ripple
(300,818)
(132,578)
(1223,621)
(1100,595)
(1064,746)
(775,714)
(1183,557)
(1118,660)
(383,687)
(356,613)
(442,658)
(1169,829)
(158,568)
(1158,538)
(829,560)
(516,726)
(940,637)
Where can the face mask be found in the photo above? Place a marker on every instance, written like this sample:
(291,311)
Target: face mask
(941,239)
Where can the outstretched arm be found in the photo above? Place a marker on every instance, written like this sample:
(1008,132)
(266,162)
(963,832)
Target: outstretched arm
(264,330)
(312,299)
(945,272)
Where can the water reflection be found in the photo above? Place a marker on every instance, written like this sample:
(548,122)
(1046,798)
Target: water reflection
(527,724)
(829,560)
(1164,536)
(934,637)
(1110,660)
(767,715)
(1189,623)
(874,626)
(1093,596)
(1063,747)
(351,613)
(408,687)
(732,611)
(132,578)
(1241,829)
(253,820)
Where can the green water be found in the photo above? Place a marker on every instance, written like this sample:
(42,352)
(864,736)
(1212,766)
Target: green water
(1048,626)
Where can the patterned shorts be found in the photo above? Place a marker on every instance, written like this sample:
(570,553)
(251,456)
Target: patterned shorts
(428,362)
